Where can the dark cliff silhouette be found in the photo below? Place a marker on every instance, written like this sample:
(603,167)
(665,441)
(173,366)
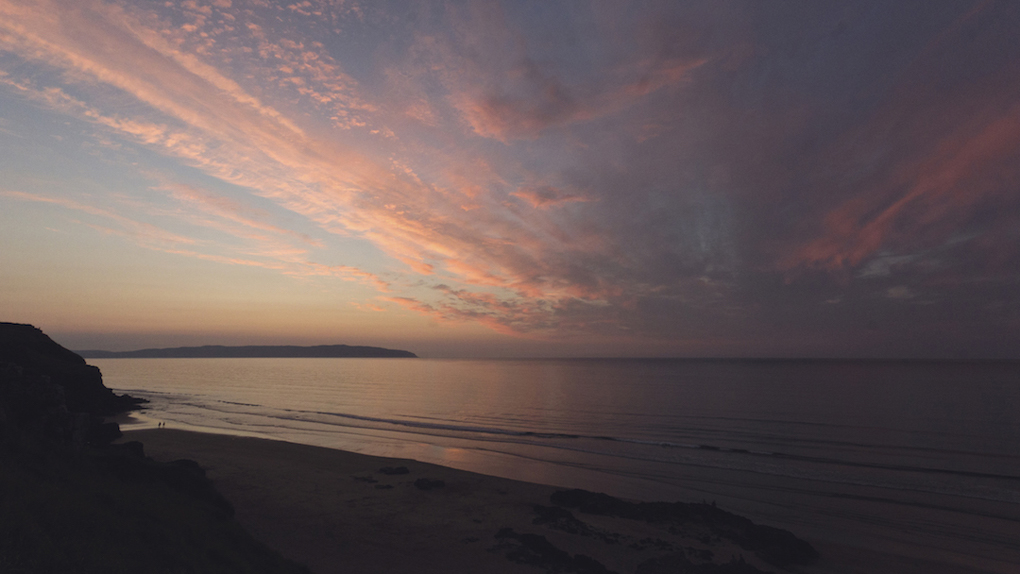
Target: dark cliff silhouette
(254,351)
(72,501)
(35,354)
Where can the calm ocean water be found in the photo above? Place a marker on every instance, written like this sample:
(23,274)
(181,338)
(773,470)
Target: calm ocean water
(914,459)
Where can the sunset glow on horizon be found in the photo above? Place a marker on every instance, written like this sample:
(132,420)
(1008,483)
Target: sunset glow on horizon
(456,179)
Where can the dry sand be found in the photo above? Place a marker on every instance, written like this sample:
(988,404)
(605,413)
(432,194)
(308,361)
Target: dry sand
(334,511)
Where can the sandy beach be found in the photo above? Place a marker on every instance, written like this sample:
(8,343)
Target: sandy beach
(338,511)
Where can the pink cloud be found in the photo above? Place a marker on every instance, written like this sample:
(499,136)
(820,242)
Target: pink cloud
(930,196)
(544,197)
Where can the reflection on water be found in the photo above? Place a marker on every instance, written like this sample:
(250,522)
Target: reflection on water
(911,457)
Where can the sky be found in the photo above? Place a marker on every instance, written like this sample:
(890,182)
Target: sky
(483,179)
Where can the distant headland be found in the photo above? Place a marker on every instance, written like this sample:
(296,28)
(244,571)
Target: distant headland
(254,351)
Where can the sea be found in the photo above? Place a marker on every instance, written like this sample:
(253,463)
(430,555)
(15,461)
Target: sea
(910,459)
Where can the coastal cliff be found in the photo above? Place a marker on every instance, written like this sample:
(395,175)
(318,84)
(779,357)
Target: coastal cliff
(36,355)
(72,501)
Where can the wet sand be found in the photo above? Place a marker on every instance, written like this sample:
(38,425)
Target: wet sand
(335,511)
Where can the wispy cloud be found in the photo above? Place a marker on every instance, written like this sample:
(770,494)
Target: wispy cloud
(933,195)
(505,92)
(267,253)
(225,209)
(145,233)
(547,196)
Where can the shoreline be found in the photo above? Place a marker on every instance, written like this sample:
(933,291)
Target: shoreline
(334,511)
(337,511)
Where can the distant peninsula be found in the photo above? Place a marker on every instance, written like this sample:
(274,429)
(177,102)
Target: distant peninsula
(254,351)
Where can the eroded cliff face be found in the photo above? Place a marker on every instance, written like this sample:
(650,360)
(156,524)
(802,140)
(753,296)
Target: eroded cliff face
(49,397)
(29,349)
(60,470)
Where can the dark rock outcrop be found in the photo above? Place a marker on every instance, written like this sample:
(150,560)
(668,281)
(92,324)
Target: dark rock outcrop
(561,519)
(775,546)
(428,484)
(29,350)
(71,501)
(536,550)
